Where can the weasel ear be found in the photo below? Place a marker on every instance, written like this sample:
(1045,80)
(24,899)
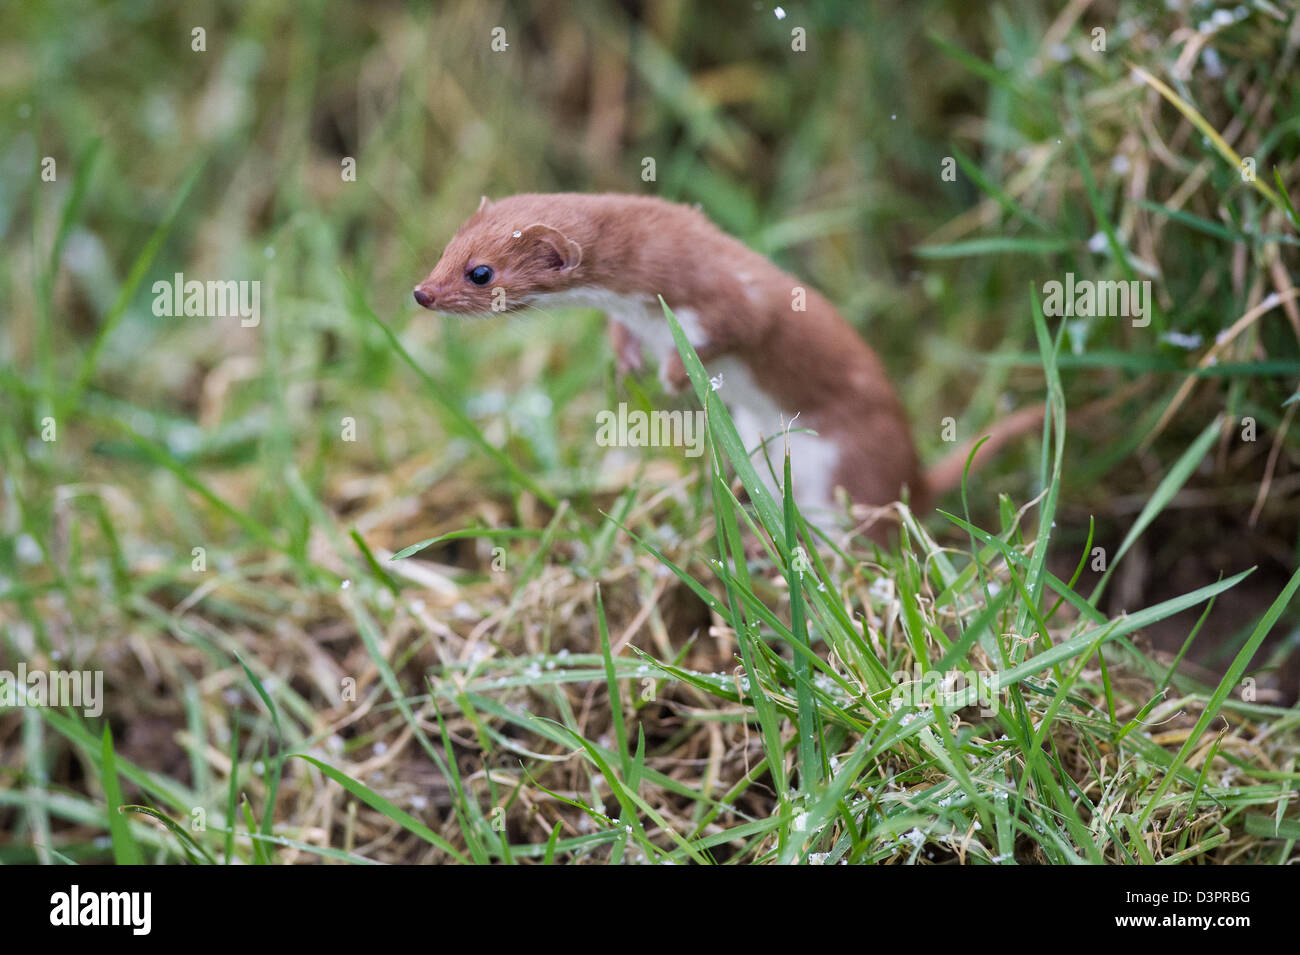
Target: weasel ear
(567,253)
(482,204)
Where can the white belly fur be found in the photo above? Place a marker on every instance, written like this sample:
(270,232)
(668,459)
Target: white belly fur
(757,417)
(755,413)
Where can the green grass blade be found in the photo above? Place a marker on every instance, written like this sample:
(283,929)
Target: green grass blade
(125,849)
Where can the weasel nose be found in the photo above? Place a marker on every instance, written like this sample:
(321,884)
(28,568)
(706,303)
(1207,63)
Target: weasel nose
(424,298)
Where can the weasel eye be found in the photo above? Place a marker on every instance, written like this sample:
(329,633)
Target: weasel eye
(480,275)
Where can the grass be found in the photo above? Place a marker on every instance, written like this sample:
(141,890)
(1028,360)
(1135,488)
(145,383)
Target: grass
(363,589)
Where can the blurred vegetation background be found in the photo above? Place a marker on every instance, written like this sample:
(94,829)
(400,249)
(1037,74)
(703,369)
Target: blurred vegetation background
(228,163)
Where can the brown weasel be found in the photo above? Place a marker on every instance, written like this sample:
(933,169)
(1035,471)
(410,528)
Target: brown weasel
(781,348)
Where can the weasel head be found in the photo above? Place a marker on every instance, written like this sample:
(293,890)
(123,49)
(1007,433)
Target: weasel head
(499,260)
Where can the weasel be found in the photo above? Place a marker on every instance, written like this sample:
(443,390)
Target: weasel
(783,351)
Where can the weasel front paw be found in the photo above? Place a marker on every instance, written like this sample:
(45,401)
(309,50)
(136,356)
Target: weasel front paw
(628,356)
(672,374)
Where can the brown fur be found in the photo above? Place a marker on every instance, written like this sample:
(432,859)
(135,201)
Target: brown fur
(812,361)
